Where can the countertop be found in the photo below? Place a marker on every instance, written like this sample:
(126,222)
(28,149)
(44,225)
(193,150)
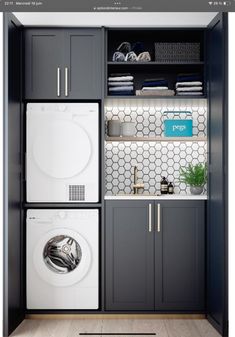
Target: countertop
(156,197)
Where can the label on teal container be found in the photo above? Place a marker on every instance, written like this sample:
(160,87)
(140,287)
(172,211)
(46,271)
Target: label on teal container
(178,128)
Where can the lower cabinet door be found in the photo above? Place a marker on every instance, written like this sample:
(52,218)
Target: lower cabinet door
(180,255)
(129,255)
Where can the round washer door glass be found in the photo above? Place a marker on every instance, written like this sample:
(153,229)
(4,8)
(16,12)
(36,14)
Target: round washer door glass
(62,257)
(62,254)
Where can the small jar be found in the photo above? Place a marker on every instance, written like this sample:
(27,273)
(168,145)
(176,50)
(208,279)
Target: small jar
(170,188)
(114,128)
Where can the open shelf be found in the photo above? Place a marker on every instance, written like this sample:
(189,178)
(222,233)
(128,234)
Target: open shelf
(156,139)
(133,97)
(156,68)
(151,63)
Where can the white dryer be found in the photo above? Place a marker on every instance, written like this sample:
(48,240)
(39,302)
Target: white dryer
(62,259)
(62,152)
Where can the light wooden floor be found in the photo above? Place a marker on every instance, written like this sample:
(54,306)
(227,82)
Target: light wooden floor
(72,327)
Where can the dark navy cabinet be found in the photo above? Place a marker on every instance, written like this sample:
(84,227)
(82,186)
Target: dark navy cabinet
(129,256)
(155,254)
(180,255)
(63,63)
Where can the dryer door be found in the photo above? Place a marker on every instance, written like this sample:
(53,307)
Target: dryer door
(62,257)
(62,150)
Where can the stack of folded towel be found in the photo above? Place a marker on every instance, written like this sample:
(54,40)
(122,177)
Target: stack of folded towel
(189,84)
(155,87)
(121,84)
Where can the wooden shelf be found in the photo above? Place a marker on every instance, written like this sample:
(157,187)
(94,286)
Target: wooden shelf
(156,139)
(154,63)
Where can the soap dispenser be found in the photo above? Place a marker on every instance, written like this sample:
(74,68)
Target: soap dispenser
(164,186)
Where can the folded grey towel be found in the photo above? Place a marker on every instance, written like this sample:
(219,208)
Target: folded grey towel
(128,88)
(154,88)
(188,84)
(116,84)
(121,78)
(189,89)
(197,93)
(155,93)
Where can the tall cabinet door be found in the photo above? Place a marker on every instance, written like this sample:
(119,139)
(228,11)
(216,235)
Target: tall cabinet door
(217,204)
(83,64)
(14,309)
(129,255)
(44,63)
(179,255)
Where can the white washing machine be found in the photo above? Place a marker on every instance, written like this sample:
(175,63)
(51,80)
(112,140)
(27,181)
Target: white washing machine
(62,152)
(62,259)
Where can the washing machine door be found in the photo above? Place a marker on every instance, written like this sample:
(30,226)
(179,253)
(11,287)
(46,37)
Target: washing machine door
(62,257)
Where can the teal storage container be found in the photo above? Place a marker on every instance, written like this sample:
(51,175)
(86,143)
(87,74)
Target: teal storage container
(178,127)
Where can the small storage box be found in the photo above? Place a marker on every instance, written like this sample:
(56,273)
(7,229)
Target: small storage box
(178,127)
(177,51)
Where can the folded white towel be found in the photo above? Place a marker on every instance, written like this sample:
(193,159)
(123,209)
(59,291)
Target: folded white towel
(120,78)
(189,89)
(154,88)
(120,83)
(198,93)
(128,88)
(188,84)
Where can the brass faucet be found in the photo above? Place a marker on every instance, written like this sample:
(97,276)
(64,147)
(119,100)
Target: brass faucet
(136,185)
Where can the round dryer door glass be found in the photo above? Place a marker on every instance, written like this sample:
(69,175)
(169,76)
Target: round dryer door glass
(62,254)
(62,149)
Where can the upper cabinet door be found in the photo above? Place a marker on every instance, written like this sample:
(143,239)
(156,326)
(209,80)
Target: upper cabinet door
(83,64)
(129,255)
(44,54)
(180,255)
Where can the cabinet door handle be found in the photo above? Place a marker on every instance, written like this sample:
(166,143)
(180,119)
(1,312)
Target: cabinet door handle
(150,218)
(66,82)
(58,81)
(158,217)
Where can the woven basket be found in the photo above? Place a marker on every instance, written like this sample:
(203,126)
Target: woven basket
(177,52)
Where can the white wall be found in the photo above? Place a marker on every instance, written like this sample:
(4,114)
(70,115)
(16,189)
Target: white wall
(116,19)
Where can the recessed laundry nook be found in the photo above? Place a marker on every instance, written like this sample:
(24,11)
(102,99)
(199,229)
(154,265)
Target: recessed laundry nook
(115,175)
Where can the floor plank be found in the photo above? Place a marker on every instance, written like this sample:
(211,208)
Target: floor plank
(181,328)
(205,328)
(72,327)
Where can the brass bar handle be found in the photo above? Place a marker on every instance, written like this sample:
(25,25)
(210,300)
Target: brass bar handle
(158,217)
(150,218)
(58,81)
(66,82)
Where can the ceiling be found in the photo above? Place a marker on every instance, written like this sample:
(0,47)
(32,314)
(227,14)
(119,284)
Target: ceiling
(151,19)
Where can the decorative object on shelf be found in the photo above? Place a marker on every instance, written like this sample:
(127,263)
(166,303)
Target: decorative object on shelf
(179,52)
(128,129)
(189,84)
(118,57)
(144,57)
(121,84)
(127,53)
(131,57)
(178,127)
(164,186)
(194,176)
(170,188)
(114,128)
